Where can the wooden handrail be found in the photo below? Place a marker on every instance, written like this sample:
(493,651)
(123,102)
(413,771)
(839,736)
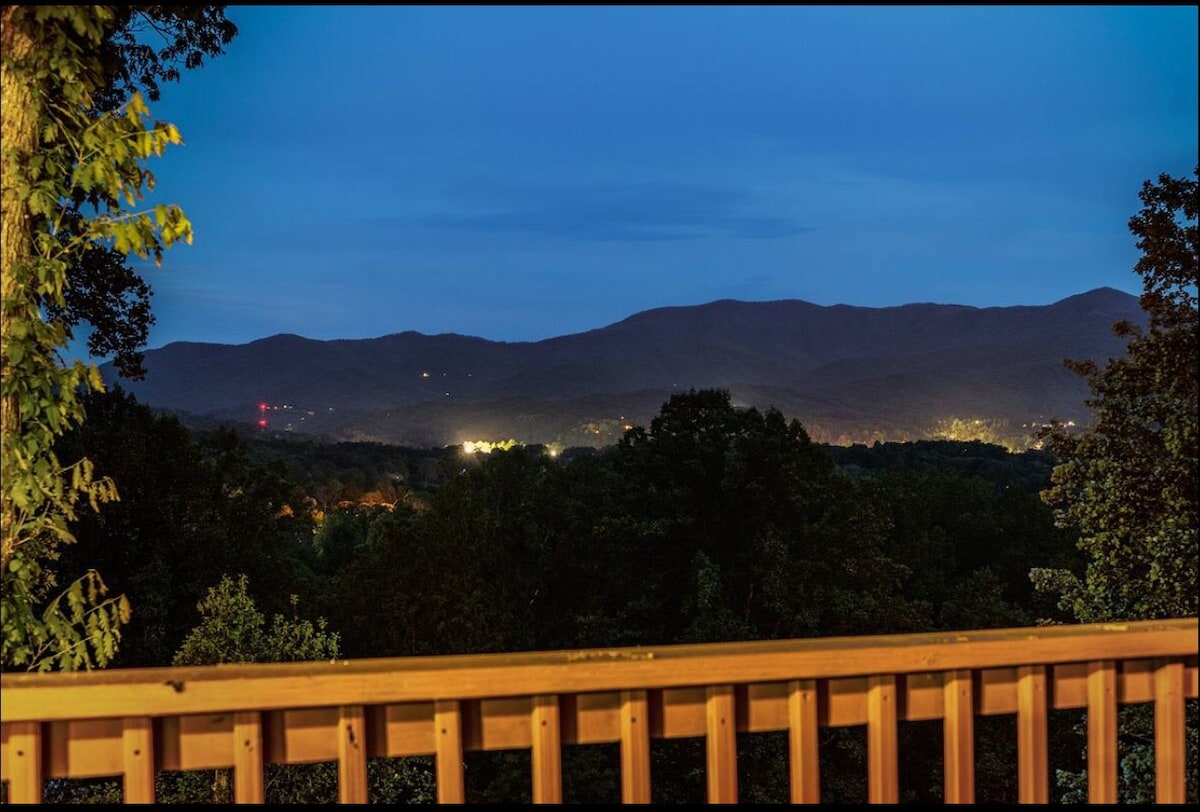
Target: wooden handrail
(274,686)
(132,722)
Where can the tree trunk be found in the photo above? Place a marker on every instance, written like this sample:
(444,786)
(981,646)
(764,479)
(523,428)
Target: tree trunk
(18,123)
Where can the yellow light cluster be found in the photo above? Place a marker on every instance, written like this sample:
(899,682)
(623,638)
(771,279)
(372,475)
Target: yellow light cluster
(486,446)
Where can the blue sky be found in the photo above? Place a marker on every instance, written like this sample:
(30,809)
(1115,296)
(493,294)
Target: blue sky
(518,173)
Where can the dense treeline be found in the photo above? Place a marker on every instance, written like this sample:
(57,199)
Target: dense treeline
(713,523)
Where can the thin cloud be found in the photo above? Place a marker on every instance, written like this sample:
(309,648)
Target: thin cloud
(622,212)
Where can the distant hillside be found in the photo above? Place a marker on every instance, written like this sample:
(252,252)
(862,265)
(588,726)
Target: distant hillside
(847,373)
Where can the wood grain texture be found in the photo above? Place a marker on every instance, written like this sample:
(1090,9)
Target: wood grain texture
(447,723)
(1102,732)
(883,774)
(352,755)
(803,756)
(721,749)
(635,747)
(137,760)
(249,785)
(1033,759)
(546,756)
(958,733)
(1170,754)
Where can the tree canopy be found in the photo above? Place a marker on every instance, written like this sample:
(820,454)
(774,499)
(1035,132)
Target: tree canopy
(714,523)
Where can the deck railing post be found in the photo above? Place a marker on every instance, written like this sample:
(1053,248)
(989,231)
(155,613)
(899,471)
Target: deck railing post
(447,725)
(1102,732)
(25,763)
(547,750)
(803,726)
(137,744)
(958,731)
(635,748)
(352,755)
(883,777)
(1170,755)
(721,745)
(1033,762)
(248,779)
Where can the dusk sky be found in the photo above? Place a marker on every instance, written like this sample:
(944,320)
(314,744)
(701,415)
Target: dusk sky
(518,173)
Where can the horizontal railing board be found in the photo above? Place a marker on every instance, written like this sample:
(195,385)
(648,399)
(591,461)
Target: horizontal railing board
(201,742)
(408,730)
(85,749)
(290,686)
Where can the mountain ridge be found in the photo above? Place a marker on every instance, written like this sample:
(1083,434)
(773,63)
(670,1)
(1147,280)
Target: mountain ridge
(849,372)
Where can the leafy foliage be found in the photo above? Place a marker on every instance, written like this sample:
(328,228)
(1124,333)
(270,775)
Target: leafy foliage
(73,177)
(187,35)
(1130,482)
(232,630)
(103,292)
(106,294)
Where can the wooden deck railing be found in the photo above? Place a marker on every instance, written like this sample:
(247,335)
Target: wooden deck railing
(135,722)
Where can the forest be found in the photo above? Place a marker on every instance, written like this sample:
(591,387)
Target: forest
(713,523)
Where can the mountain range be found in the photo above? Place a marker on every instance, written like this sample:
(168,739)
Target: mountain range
(847,373)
